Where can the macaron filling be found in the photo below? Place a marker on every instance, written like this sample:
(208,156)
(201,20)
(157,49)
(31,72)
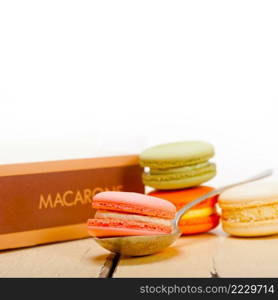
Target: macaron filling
(197,213)
(179,173)
(251,214)
(156,164)
(132,221)
(183,169)
(100,214)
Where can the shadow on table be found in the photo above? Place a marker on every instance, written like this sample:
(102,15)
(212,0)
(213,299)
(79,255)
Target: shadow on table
(166,254)
(176,249)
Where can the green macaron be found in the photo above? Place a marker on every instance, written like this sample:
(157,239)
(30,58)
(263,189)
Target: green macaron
(178,165)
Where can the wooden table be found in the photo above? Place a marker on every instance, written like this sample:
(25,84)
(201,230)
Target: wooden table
(208,255)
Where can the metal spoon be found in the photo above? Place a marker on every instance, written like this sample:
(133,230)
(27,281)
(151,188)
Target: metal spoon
(149,244)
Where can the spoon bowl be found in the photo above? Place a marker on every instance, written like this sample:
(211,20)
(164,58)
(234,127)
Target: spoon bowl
(150,244)
(138,245)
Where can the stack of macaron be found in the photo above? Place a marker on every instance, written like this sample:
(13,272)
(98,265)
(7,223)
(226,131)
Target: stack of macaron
(176,172)
(178,165)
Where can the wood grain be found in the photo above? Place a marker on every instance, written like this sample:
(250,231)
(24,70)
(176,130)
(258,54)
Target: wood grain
(188,257)
(208,255)
(246,257)
(80,258)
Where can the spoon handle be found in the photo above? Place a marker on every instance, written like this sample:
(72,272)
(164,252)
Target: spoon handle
(185,208)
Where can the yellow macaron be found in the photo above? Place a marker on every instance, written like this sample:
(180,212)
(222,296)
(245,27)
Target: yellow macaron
(251,209)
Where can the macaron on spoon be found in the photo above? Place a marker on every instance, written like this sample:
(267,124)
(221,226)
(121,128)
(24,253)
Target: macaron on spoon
(150,244)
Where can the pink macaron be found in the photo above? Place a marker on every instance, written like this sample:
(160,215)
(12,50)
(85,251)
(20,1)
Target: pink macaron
(125,214)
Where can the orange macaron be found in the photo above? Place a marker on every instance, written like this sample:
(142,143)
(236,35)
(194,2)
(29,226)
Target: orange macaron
(202,217)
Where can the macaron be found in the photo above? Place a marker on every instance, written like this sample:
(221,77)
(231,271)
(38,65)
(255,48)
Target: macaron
(251,209)
(126,214)
(178,165)
(200,218)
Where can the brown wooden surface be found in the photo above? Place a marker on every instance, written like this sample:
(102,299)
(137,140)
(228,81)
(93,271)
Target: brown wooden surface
(80,258)
(206,255)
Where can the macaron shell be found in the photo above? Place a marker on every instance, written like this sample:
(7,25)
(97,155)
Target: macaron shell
(248,195)
(176,154)
(134,203)
(251,229)
(164,184)
(197,228)
(211,202)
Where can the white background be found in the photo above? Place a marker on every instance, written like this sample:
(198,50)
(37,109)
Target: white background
(85,78)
